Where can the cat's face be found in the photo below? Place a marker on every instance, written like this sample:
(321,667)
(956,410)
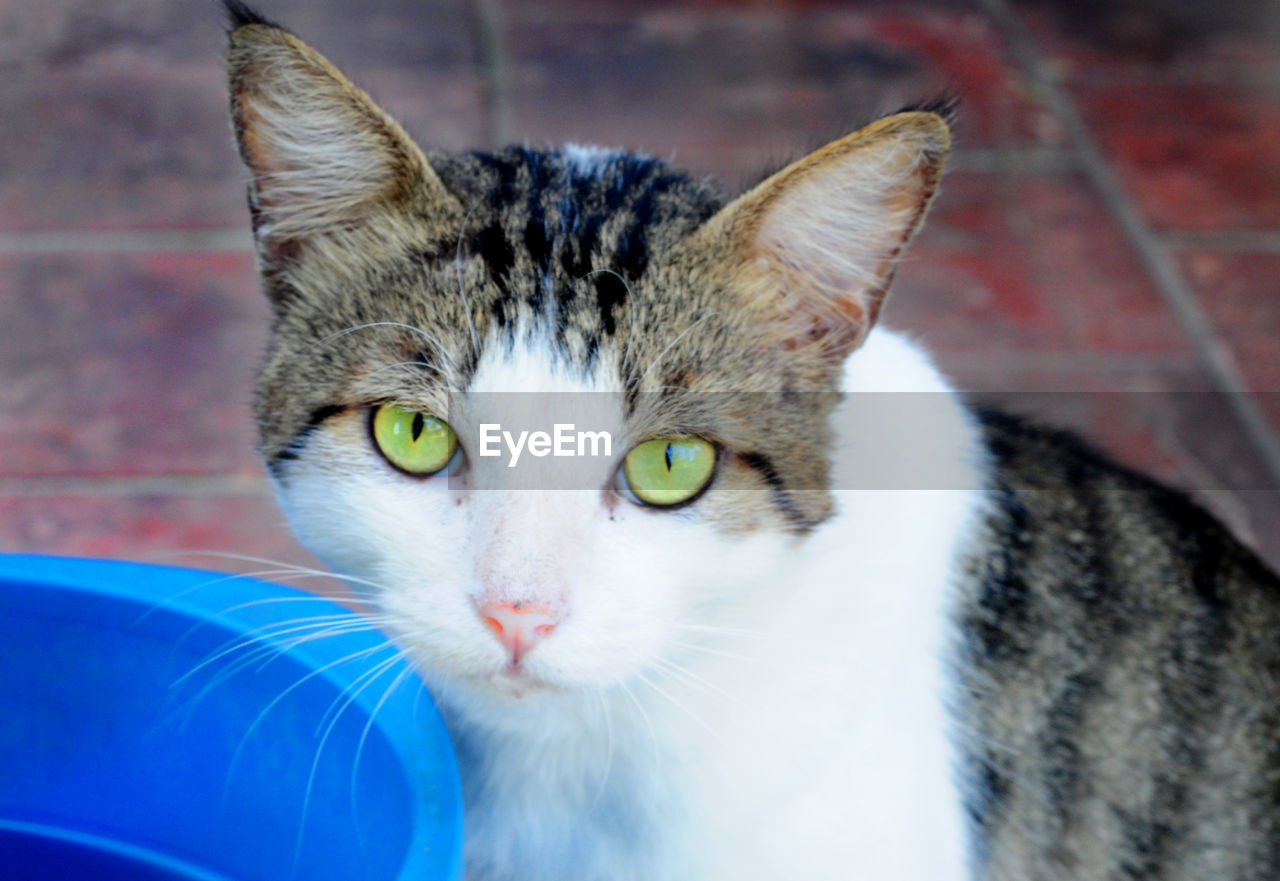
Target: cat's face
(419,300)
(626,583)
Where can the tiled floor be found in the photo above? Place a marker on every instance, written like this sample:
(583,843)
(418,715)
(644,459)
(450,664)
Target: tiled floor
(1106,251)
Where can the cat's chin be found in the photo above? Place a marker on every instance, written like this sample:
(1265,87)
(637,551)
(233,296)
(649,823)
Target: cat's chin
(512,683)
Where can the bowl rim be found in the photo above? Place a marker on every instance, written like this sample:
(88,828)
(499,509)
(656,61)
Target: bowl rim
(405,717)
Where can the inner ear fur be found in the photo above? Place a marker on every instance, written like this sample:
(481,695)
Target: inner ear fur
(322,155)
(810,252)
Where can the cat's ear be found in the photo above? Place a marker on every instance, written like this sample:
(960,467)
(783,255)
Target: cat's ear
(812,249)
(322,156)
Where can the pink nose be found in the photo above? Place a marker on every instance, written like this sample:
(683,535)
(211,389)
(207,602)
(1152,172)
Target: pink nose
(518,626)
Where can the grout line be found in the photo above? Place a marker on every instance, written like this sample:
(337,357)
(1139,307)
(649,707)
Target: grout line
(1216,357)
(1126,364)
(1012,160)
(492,45)
(131,241)
(1231,241)
(1205,74)
(134,485)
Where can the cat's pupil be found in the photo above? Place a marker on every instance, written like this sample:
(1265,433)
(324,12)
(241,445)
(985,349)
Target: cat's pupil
(418,422)
(667,454)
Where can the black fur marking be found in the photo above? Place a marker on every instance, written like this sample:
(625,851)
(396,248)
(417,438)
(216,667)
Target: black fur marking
(322,414)
(946,105)
(1102,625)
(432,254)
(538,237)
(1059,737)
(537,243)
(492,245)
(1189,702)
(1268,852)
(984,798)
(782,500)
(611,293)
(1195,527)
(239,15)
(584,230)
(294,449)
(631,254)
(500,317)
(1001,631)
(423,362)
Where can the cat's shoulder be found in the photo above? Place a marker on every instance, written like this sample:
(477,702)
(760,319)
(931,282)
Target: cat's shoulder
(1052,488)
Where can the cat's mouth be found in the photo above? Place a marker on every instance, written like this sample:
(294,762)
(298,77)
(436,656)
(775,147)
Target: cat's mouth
(515,681)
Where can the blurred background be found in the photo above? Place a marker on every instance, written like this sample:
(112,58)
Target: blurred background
(1105,253)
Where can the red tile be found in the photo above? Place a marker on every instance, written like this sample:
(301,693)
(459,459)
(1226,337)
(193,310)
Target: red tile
(1163,419)
(124,123)
(1264,536)
(1193,155)
(439,110)
(201,531)
(394,33)
(125,142)
(1029,263)
(128,364)
(1175,42)
(1143,413)
(1253,516)
(969,54)
(560,10)
(1241,294)
(727,90)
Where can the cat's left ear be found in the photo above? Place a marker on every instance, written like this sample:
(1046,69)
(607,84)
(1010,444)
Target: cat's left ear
(811,250)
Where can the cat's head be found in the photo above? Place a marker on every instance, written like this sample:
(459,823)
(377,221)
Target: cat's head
(419,297)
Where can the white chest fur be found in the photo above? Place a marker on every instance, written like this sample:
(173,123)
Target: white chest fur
(804,735)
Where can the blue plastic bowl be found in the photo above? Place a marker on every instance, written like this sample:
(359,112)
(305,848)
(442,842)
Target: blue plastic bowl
(145,735)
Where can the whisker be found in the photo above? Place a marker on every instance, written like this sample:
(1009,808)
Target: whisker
(688,712)
(399,325)
(687,676)
(283,569)
(648,724)
(258,636)
(268,651)
(626,354)
(309,598)
(358,624)
(608,756)
(265,711)
(377,672)
(209,620)
(405,365)
(355,765)
(731,631)
(340,703)
(669,346)
(167,601)
(694,647)
(281,564)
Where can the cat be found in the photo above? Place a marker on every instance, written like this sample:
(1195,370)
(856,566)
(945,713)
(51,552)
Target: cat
(714,656)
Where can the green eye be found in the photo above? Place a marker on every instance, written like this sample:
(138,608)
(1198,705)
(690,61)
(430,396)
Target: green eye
(669,470)
(412,441)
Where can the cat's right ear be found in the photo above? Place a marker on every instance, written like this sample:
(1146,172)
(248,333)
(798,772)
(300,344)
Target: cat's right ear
(323,158)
